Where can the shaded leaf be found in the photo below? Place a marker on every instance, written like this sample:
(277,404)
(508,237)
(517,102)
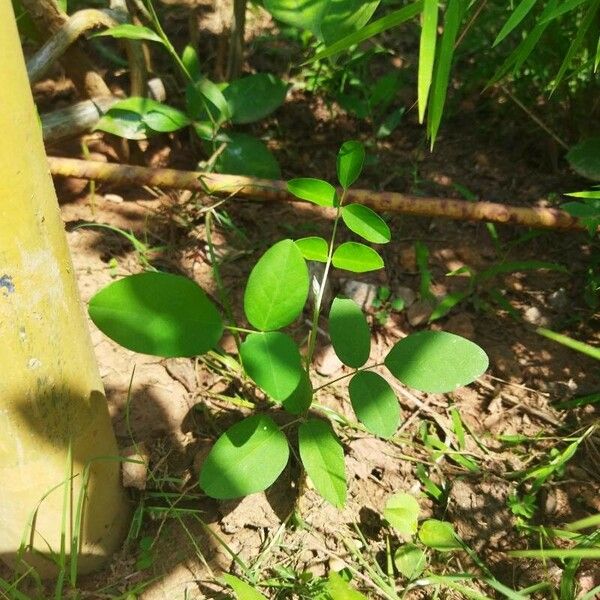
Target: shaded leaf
(314,190)
(584,158)
(439,535)
(305,14)
(374,403)
(436,361)
(517,15)
(323,458)
(344,17)
(349,332)
(350,159)
(300,399)
(402,513)
(246,459)
(277,287)
(367,223)
(254,97)
(357,258)
(273,362)
(157,313)
(247,155)
(313,248)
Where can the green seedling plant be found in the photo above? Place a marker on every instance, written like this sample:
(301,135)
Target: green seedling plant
(209,108)
(171,316)
(385,303)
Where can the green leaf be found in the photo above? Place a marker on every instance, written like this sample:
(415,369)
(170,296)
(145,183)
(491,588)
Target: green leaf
(157,313)
(316,191)
(277,288)
(307,14)
(441,78)
(205,101)
(390,123)
(518,14)
(300,399)
(367,223)
(242,590)
(447,304)
(124,123)
(273,362)
(339,589)
(427,52)
(402,513)
(350,161)
(323,458)
(374,403)
(313,248)
(357,258)
(439,535)
(372,29)
(584,158)
(436,361)
(566,6)
(191,62)
(344,17)
(130,32)
(410,560)
(246,459)
(254,97)
(349,332)
(247,155)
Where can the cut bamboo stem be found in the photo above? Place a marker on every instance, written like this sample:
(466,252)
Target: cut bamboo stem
(273,190)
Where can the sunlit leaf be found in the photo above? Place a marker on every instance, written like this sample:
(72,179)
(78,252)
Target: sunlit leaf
(402,513)
(439,535)
(339,589)
(349,332)
(344,17)
(350,161)
(157,313)
(410,560)
(277,288)
(427,53)
(316,191)
(313,248)
(273,362)
(304,15)
(436,361)
(242,590)
(374,403)
(372,29)
(367,223)
(246,459)
(357,258)
(130,32)
(323,458)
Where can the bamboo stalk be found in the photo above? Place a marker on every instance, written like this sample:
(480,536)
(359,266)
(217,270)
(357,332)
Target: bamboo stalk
(273,190)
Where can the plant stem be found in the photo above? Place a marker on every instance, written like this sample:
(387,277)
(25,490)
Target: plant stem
(218,280)
(312,338)
(240,329)
(332,381)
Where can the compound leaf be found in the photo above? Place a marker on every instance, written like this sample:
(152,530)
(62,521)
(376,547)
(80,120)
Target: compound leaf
(367,223)
(349,332)
(357,258)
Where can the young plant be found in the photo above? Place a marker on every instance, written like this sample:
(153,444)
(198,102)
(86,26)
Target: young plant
(168,315)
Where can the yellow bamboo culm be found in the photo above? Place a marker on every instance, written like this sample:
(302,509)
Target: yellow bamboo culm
(54,420)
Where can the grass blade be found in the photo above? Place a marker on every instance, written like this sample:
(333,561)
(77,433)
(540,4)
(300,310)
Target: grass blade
(570,342)
(427,53)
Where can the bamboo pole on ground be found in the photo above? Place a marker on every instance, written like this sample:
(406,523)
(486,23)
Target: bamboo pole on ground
(271,190)
(55,428)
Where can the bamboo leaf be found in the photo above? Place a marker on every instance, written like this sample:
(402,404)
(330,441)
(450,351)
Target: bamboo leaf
(515,18)
(452,21)
(130,32)
(427,53)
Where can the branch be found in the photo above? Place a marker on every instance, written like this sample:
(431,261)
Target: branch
(276,191)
